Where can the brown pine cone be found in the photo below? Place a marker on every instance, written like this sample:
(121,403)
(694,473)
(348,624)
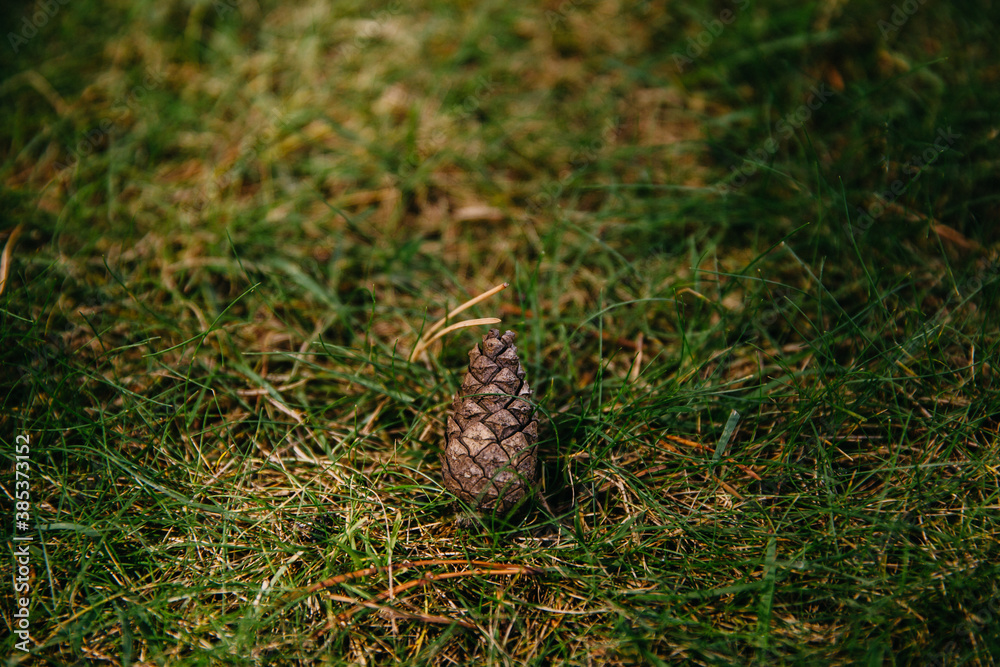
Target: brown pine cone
(489,458)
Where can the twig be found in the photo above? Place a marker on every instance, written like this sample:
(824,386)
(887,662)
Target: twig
(468,304)
(706,448)
(427,338)
(5,258)
(364,572)
(422,345)
(392,611)
(427,578)
(633,374)
(478,568)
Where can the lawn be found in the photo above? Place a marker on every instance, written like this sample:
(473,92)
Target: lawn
(752,257)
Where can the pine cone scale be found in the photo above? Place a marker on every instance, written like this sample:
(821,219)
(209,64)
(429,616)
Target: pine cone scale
(503,424)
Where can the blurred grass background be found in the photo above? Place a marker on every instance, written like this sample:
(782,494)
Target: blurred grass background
(753,257)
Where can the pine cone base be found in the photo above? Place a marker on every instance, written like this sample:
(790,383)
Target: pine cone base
(490,456)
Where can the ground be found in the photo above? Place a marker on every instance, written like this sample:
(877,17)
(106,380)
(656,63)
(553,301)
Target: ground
(752,257)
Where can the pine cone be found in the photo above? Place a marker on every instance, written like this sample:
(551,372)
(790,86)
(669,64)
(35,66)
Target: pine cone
(489,458)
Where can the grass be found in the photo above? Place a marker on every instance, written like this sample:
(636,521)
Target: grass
(770,396)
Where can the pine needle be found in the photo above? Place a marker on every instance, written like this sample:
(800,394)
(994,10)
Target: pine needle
(428,336)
